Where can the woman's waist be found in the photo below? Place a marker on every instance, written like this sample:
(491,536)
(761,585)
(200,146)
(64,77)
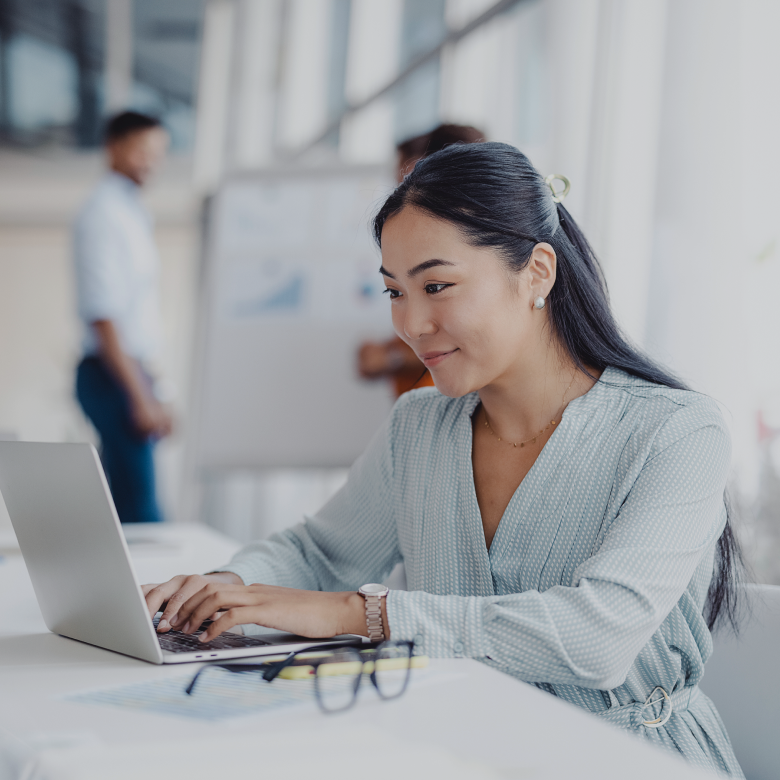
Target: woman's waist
(633,706)
(654,711)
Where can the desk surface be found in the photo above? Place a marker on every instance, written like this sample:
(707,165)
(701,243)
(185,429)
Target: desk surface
(472,723)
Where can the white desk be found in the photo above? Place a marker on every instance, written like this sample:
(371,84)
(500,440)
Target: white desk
(478,724)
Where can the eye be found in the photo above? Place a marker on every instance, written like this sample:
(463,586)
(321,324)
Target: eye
(436,287)
(392,293)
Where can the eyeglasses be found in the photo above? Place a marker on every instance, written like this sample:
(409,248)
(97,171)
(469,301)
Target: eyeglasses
(337,672)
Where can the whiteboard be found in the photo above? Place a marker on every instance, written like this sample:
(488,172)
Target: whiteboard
(290,288)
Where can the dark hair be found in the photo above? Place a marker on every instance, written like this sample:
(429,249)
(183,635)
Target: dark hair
(438,139)
(128,122)
(496,198)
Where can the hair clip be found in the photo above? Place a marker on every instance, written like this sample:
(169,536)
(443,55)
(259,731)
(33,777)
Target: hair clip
(558,195)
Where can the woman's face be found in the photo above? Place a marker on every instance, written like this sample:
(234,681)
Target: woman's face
(467,317)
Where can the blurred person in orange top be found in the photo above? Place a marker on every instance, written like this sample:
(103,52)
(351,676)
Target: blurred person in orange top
(393,359)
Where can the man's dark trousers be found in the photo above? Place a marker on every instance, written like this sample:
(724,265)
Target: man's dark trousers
(127,456)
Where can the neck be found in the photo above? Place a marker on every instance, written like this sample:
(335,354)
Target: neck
(125,174)
(528,396)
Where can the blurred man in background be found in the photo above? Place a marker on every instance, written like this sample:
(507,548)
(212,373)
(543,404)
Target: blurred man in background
(117,269)
(393,359)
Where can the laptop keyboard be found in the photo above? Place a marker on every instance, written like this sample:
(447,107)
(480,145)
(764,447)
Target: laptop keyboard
(176,642)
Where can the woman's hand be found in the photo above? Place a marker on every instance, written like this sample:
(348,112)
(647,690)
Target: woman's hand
(304,612)
(177,591)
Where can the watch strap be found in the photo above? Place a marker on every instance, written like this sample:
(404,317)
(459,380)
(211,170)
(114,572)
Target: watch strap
(376,629)
(373,595)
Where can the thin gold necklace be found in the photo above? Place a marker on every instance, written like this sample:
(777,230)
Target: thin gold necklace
(547,427)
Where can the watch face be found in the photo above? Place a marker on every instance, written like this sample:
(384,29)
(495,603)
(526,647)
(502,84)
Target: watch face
(373,589)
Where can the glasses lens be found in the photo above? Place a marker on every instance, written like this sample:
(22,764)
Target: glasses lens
(337,679)
(392,667)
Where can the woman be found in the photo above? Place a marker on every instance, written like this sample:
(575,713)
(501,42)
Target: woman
(393,359)
(557,499)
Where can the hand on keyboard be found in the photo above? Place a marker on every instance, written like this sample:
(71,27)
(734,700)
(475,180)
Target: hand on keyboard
(176,642)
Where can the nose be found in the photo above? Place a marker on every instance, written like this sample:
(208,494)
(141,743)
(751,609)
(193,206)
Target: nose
(417,322)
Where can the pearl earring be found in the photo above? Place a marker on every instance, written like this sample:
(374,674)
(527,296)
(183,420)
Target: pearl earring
(539,302)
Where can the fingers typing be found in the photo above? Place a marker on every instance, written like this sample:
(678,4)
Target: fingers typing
(235,616)
(215,597)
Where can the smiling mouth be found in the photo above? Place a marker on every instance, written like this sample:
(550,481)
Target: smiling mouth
(431,359)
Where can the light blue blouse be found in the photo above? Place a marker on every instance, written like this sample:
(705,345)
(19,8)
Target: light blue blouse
(594,585)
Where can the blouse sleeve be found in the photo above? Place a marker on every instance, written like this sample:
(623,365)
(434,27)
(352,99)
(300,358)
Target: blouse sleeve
(352,540)
(589,634)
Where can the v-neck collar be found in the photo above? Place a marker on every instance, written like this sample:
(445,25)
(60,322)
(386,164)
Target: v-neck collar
(557,447)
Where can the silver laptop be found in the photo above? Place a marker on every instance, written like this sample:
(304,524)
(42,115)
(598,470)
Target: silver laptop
(72,542)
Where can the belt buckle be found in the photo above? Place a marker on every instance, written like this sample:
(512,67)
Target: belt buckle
(663,719)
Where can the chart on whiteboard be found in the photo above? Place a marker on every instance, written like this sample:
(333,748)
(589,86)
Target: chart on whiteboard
(306,289)
(300,249)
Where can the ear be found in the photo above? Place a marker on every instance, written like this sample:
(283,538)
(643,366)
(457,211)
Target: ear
(542,269)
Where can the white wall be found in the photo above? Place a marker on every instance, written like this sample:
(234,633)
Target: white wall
(372,61)
(304,74)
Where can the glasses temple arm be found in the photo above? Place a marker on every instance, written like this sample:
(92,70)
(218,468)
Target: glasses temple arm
(191,687)
(273,670)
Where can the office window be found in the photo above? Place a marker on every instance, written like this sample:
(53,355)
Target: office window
(52,68)
(43,86)
(166,48)
(417,99)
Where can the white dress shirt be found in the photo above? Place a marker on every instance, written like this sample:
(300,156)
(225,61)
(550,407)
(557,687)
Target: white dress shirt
(117,268)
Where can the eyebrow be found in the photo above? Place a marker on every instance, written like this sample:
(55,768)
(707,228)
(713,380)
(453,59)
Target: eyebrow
(418,269)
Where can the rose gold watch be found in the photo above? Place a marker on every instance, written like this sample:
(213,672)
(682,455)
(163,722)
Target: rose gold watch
(373,594)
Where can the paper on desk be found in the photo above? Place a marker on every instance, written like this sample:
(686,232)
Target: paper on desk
(217,695)
(220,694)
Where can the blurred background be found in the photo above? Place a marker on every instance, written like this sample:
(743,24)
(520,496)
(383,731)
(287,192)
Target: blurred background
(664,115)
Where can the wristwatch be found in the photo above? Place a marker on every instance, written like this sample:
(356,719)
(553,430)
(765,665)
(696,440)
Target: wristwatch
(373,593)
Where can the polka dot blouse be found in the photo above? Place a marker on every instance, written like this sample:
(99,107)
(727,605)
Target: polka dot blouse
(594,584)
